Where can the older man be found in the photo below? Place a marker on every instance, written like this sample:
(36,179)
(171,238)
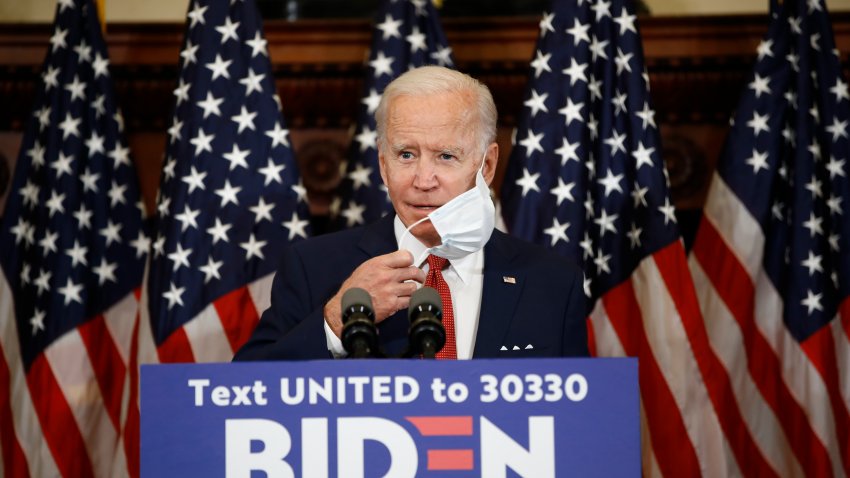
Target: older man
(502,297)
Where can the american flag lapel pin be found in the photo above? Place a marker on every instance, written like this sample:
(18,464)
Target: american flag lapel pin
(509,280)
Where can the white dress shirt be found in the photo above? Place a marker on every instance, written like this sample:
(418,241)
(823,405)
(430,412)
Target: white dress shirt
(465,278)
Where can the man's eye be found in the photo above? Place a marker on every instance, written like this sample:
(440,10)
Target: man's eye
(446,157)
(405,155)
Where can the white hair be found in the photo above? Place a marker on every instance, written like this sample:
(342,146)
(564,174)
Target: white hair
(430,80)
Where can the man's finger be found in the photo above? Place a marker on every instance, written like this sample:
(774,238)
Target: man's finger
(406,289)
(410,273)
(400,258)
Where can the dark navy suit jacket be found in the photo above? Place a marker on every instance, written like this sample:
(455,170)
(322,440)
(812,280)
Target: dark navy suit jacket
(543,307)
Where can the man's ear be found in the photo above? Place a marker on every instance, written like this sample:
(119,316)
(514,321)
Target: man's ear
(381,164)
(491,160)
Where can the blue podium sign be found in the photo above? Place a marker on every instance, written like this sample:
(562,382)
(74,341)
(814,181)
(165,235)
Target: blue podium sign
(392,418)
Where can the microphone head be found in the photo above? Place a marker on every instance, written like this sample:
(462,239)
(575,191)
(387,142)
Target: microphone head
(359,334)
(426,333)
(425,299)
(356,301)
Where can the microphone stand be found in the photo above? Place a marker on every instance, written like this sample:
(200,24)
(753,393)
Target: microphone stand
(426,335)
(359,334)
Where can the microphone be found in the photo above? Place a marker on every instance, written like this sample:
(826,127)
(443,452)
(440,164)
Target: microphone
(359,335)
(426,333)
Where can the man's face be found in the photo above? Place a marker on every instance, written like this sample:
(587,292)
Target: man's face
(430,156)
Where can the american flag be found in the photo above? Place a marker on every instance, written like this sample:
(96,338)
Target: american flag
(586,179)
(771,261)
(407,35)
(72,248)
(230,196)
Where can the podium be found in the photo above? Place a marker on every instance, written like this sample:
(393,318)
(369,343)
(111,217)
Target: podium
(392,418)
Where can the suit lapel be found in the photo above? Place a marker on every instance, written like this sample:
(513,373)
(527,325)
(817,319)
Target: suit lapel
(503,283)
(379,238)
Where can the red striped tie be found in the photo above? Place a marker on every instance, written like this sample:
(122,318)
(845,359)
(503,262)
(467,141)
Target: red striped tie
(435,279)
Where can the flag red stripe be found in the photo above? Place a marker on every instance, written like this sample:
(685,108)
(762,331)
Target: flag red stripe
(820,348)
(238,316)
(14,461)
(736,289)
(109,369)
(591,338)
(176,348)
(716,378)
(667,427)
(844,311)
(57,422)
(132,439)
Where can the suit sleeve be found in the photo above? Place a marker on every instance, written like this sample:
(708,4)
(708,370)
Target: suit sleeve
(291,328)
(575,322)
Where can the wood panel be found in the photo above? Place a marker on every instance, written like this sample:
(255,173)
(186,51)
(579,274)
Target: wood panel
(697,67)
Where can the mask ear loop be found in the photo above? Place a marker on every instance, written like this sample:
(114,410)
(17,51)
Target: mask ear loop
(483,160)
(407,233)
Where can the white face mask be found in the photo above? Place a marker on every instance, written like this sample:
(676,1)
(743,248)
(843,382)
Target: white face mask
(464,224)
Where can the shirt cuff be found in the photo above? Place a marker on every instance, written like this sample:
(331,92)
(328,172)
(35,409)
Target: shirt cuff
(334,343)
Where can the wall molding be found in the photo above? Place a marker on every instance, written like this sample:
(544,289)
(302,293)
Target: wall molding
(697,66)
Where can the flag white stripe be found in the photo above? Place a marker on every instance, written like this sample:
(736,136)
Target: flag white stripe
(670,346)
(842,353)
(119,320)
(146,344)
(735,224)
(732,468)
(261,292)
(119,464)
(728,345)
(125,398)
(607,341)
(73,370)
(802,378)
(649,466)
(25,422)
(207,337)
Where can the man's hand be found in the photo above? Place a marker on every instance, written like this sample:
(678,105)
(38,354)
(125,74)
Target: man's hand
(385,278)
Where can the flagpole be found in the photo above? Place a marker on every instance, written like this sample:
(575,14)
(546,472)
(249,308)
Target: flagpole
(101,14)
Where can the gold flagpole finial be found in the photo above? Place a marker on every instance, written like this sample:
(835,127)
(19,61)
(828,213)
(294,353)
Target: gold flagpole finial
(101,13)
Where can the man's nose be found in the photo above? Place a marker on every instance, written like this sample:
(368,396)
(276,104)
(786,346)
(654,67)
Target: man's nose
(425,176)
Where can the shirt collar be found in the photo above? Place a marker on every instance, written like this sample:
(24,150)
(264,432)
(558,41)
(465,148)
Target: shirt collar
(465,267)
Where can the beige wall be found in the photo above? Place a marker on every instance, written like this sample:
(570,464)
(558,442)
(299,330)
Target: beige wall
(713,7)
(116,10)
(175,10)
